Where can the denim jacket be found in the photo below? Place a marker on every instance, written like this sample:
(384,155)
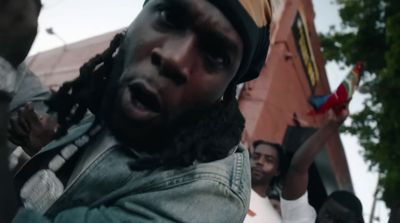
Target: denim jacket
(111,190)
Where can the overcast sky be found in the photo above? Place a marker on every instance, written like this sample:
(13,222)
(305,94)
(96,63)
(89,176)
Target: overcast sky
(75,20)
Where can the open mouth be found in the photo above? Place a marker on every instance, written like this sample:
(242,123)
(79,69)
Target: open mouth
(141,102)
(257,171)
(144,98)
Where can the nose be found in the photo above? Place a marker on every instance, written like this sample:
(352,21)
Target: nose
(260,161)
(175,59)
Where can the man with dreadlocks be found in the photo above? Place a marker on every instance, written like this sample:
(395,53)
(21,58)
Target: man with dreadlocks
(162,143)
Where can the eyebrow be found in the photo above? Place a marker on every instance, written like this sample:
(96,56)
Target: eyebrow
(270,156)
(265,155)
(220,38)
(180,5)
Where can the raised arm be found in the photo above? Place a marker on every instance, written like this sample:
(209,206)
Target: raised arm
(296,180)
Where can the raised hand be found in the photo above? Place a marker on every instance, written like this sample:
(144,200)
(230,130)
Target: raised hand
(337,116)
(30,130)
(18,28)
(296,181)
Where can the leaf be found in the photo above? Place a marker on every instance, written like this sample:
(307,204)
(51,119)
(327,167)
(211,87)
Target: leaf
(369,32)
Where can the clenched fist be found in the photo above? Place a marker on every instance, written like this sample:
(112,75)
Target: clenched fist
(18,28)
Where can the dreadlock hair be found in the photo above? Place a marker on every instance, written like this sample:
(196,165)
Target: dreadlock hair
(207,135)
(74,98)
(202,135)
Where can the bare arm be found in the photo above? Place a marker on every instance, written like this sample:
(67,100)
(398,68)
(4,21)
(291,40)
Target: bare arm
(296,180)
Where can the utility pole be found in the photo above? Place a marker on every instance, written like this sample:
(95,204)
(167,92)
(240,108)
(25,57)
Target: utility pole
(51,31)
(377,190)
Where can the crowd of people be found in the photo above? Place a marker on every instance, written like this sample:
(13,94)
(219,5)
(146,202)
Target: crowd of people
(150,130)
(268,163)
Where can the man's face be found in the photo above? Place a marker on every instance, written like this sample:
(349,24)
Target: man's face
(178,56)
(333,212)
(264,164)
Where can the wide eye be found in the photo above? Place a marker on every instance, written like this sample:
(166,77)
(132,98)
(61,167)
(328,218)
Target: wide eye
(270,160)
(217,58)
(170,17)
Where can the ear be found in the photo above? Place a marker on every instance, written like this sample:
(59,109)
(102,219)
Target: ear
(251,149)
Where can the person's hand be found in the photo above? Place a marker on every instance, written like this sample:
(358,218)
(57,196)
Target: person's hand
(30,130)
(18,28)
(337,116)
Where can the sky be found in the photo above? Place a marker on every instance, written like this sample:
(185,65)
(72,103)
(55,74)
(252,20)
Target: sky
(74,20)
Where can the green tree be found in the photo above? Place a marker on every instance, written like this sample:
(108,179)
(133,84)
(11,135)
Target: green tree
(370,32)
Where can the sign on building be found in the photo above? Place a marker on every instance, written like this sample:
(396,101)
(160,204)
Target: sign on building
(302,39)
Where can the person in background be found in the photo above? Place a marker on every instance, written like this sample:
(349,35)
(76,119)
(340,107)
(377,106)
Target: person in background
(395,214)
(266,165)
(340,206)
(165,126)
(20,82)
(18,28)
